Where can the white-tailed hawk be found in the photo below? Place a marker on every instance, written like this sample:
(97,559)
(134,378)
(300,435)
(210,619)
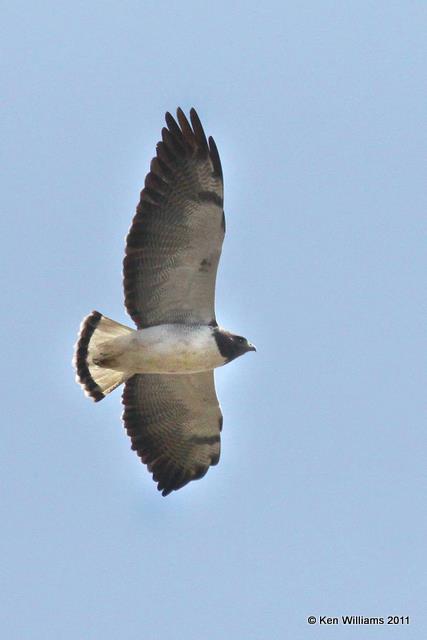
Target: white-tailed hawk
(171,411)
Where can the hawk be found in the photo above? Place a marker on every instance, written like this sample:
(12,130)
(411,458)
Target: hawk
(171,411)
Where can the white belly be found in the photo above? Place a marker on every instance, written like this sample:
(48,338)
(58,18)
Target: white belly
(167,349)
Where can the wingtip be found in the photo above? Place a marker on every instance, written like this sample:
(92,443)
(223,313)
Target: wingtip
(198,129)
(168,117)
(179,113)
(214,153)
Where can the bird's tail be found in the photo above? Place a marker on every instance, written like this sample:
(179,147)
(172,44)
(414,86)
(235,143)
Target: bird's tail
(97,380)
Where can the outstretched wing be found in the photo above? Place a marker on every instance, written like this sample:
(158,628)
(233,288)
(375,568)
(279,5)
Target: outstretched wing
(174,422)
(174,243)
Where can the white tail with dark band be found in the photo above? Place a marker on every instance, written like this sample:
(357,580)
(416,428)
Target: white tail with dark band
(97,380)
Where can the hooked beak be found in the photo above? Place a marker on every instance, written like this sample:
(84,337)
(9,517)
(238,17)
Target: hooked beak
(251,346)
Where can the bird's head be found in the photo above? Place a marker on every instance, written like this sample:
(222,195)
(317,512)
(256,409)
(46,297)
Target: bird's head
(231,346)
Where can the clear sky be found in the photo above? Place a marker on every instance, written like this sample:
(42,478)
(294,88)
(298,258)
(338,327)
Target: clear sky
(318,504)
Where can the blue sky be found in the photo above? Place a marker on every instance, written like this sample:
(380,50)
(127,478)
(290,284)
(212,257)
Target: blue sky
(318,504)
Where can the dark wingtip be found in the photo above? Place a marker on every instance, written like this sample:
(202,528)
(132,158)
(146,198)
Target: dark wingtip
(173,125)
(180,134)
(87,329)
(187,131)
(198,129)
(213,151)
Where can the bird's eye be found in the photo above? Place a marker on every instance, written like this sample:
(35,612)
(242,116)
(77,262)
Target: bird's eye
(240,339)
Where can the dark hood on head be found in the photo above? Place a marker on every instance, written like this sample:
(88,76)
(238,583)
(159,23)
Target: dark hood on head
(229,345)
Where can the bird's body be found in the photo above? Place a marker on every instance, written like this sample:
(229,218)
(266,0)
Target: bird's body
(171,411)
(166,348)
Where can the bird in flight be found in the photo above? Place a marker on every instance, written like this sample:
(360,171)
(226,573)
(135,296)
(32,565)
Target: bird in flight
(171,411)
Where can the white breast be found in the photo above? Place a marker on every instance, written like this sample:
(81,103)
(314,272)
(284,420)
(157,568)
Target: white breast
(170,349)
